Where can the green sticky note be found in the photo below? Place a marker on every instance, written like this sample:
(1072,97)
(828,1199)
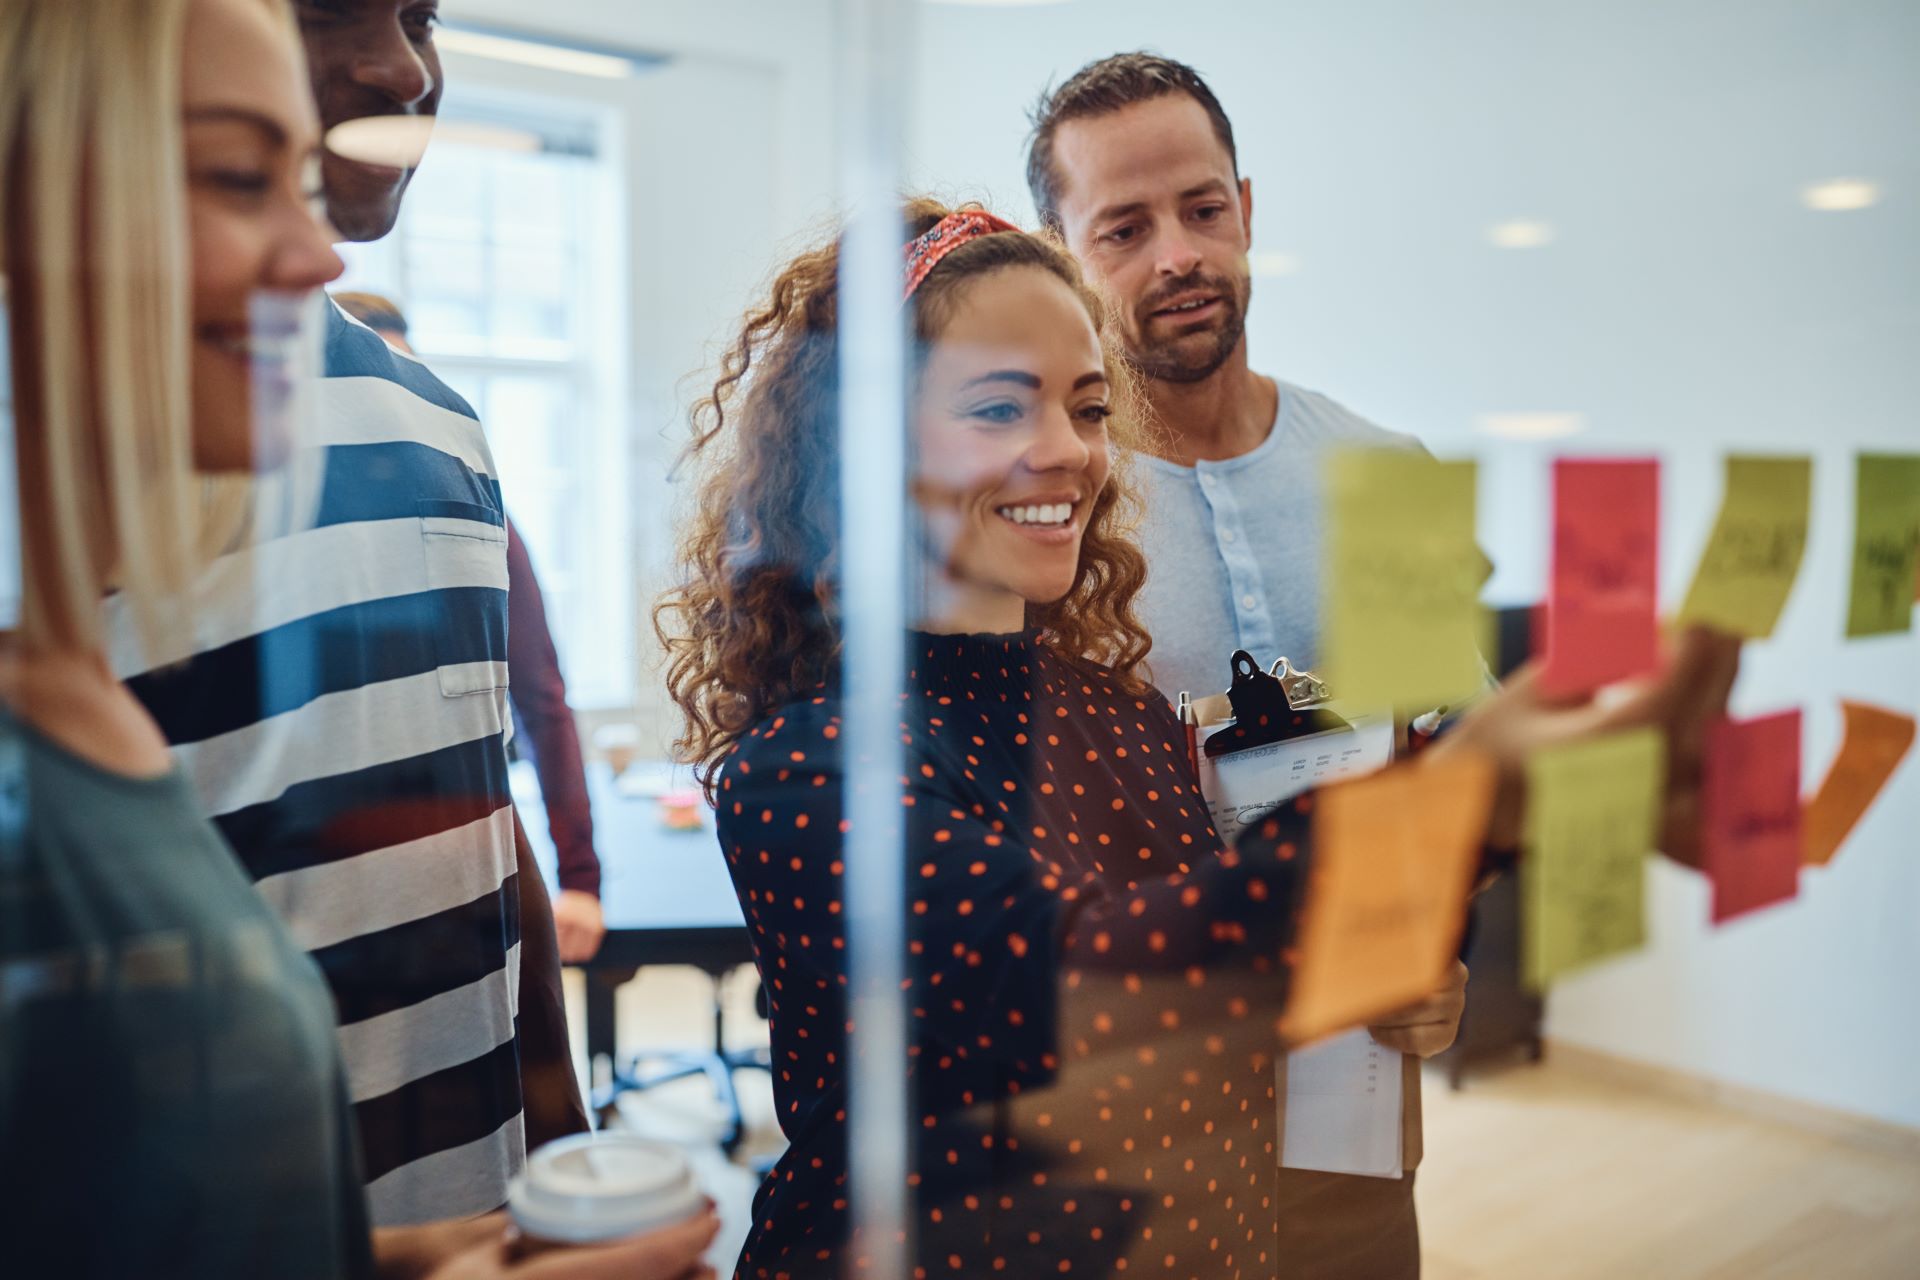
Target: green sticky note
(1886,543)
(1403,626)
(1754,554)
(1593,810)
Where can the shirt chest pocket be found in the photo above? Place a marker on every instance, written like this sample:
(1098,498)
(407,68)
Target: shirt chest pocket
(465,547)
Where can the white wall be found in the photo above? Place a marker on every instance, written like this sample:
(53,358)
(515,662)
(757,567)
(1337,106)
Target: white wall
(1689,304)
(730,147)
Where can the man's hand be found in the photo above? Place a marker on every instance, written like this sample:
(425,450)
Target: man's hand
(1682,699)
(1428,1027)
(579,925)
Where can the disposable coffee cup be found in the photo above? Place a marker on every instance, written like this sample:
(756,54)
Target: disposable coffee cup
(596,1187)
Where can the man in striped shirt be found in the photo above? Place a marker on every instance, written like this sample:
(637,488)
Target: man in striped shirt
(343,712)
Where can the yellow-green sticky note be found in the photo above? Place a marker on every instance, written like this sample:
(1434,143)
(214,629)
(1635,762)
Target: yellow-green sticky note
(1753,556)
(1403,626)
(1886,543)
(1593,810)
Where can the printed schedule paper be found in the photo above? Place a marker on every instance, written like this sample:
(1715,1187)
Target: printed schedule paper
(1592,812)
(1754,552)
(1241,786)
(1343,1106)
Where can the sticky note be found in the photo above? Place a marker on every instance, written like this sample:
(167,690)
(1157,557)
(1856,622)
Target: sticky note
(1871,748)
(1403,626)
(1393,859)
(1754,552)
(1602,600)
(1593,810)
(1750,835)
(1886,543)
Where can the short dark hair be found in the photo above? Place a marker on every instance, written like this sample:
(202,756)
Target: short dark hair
(1098,89)
(382,315)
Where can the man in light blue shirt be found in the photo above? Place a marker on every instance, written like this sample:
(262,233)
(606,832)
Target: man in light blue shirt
(1132,161)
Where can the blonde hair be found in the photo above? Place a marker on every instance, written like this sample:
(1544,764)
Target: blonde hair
(94,235)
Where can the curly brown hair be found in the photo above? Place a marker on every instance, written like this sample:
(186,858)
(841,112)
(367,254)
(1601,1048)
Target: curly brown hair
(753,623)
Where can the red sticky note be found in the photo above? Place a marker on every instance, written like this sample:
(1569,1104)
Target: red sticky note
(1751,835)
(1599,625)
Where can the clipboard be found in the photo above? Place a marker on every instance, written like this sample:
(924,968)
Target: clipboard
(1284,738)
(1343,1102)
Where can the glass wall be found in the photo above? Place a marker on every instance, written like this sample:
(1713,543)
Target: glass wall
(915,638)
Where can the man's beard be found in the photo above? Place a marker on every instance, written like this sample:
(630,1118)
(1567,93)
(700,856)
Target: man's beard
(1165,361)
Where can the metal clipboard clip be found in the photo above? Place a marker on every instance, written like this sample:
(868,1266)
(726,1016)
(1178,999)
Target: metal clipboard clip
(1270,706)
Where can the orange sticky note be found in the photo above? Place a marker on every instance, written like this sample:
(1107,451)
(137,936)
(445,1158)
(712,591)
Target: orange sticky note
(1873,746)
(1393,861)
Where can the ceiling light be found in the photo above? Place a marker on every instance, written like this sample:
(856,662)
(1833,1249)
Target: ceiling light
(1521,233)
(392,142)
(1531,426)
(532,53)
(1840,195)
(1269,262)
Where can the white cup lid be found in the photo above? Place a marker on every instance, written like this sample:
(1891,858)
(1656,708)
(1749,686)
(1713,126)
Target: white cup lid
(602,1186)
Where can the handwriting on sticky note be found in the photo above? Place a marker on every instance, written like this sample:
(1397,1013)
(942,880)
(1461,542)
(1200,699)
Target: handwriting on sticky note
(1403,626)
(1600,620)
(1754,552)
(1592,812)
(1874,742)
(1886,543)
(1393,858)
(1751,837)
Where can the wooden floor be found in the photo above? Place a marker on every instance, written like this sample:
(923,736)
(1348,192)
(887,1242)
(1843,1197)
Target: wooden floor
(1557,1172)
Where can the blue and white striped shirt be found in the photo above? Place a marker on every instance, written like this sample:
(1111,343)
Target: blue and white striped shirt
(343,716)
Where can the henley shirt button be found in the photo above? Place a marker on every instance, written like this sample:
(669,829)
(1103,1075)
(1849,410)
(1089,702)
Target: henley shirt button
(1227,536)
(1246,602)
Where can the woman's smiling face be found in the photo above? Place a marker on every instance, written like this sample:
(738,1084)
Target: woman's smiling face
(259,247)
(1010,417)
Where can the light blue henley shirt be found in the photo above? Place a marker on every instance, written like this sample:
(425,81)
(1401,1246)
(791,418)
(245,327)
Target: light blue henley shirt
(1233,547)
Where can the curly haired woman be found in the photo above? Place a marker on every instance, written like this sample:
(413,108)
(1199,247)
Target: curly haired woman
(1093,981)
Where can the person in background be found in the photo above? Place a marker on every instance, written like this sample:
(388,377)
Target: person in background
(341,708)
(172,1097)
(539,693)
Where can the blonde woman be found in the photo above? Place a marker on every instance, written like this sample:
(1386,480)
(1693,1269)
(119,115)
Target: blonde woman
(171,1096)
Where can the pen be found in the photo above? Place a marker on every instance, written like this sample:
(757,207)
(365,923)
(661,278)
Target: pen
(1191,723)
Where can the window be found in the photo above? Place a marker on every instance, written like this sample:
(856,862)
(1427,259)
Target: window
(494,263)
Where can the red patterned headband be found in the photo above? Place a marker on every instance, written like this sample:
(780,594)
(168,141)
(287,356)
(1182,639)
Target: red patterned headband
(946,235)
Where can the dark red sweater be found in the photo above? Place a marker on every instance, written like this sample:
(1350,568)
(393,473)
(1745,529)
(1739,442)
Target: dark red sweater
(539,694)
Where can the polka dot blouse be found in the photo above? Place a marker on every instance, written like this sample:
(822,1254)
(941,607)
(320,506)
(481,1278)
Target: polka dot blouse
(1093,980)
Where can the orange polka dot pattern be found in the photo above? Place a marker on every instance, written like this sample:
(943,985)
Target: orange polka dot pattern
(1093,980)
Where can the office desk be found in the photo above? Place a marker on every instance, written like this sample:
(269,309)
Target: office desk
(666,895)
